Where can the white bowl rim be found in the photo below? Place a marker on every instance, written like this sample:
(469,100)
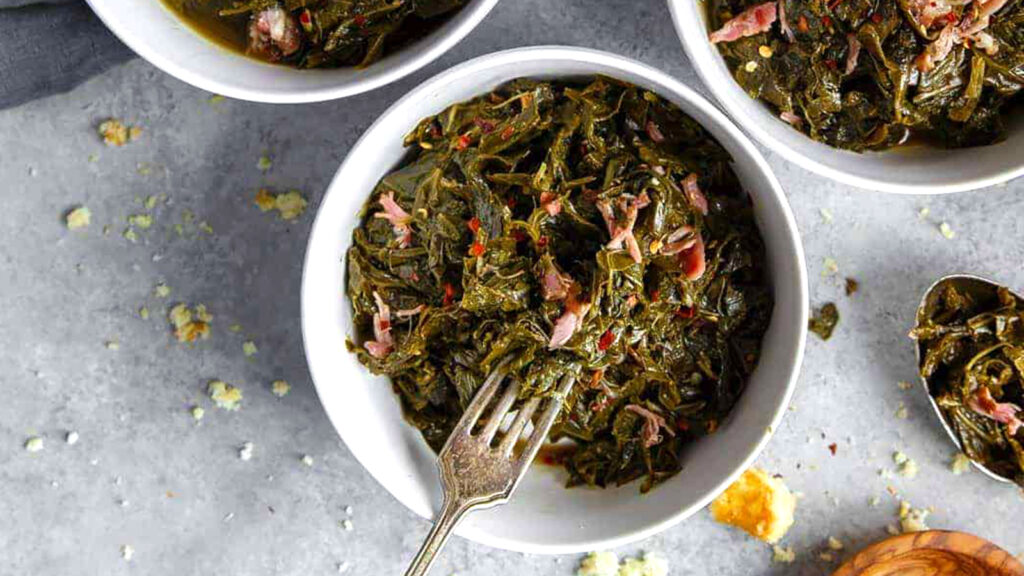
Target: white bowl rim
(470,16)
(691,26)
(800,283)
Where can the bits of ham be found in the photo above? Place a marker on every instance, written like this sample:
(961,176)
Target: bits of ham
(853,54)
(653,424)
(753,20)
(273,34)
(621,228)
(694,195)
(554,283)
(569,322)
(398,218)
(551,203)
(983,403)
(692,260)
(382,344)
(790,118)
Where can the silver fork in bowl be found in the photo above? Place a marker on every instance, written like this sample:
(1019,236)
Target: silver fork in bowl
(475,474)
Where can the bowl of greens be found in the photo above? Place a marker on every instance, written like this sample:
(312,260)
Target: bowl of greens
(895,95)
(560,212)
(284,51)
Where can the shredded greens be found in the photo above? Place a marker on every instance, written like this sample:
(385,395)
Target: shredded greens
(591,230)
(971,338)
(316,33)
(873,74)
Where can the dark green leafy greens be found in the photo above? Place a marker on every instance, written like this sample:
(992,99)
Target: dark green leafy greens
(585,230)
(872,74)
(971,339)
(316,33)
(824,322)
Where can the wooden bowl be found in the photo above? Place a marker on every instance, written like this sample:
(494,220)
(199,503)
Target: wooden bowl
(932,553)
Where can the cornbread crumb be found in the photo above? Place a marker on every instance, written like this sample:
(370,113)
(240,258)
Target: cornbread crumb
(34,444)
(127,552)
(215,99)
(783,555)
(946,231)
(190,324)
(264,163)
(235,328)
(874,501)
(224,395)
(143,221)
(834,543)
(280,388)
(346,524)
(245,452)
(161,290)
(144,313)
(599,564)
(765,51)
(901,411)
(751,66)
(960,464)
(924,212)
(197,413)
(912,519)
(906,466)
(649,565)
(71,438)
(307,460)
(757,503)
(829,267)
(892,529)
(112,345)
(289,205)
(78,218)
(116,133)
(904,385)
(130,235)
(826,557)
(826,214)
(249,348)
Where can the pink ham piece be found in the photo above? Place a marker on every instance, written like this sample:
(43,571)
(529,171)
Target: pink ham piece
(853,54)
(753,20)
(784,22)
(939,48)
(551,203)
(411,311)
(382,344)
(569,322)
(654,132)
(791,119)
(983,403)
(928,12)
(554,284)
(273,34)
(621,229)
(681,239)
(398,218)
(653,424)
(692,260)
(694,195)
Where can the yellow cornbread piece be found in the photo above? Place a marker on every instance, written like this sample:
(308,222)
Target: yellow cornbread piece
(759,504)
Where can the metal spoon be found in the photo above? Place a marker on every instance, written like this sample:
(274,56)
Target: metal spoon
(973,285)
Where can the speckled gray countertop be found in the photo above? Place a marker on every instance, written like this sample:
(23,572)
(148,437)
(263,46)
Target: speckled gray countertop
(144,474)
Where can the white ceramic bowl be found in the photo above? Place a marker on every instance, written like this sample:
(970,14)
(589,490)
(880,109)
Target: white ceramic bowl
(543,516)
(917,170)
(160,36)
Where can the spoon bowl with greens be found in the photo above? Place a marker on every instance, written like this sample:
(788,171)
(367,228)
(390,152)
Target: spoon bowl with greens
(970,351)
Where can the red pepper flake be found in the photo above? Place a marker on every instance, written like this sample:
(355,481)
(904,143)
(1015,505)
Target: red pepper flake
(655,295)
(414,276)
(802,25)
(827,21)
(518,235)
(511,203)
(542,241)
(508,132)
(683,425)
(686,312)
(951,18)
(876,18)
(449,294)
(606,341)
(474,224)
(359,20)
(832,64)
(832,448)
(306,19)
(463,142)
(485,126)
(477,249)
(834,4)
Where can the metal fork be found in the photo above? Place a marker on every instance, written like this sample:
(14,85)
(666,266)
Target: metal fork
(475,475)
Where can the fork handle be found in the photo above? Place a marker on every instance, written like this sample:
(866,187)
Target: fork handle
(449,517)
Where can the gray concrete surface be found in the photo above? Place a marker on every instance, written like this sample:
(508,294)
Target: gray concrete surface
(191,506)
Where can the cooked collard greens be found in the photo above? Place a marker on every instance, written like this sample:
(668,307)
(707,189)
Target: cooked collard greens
(583,229)
(971,339)
(873,74)
(315,33)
